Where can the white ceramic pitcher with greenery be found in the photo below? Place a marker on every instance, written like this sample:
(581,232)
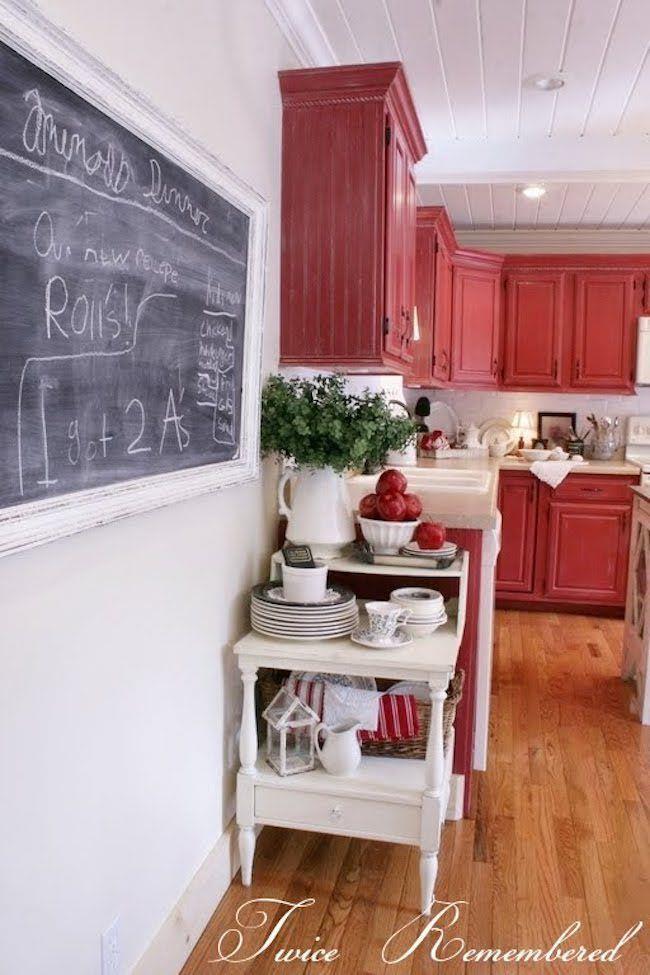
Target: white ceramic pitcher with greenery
(322,430)
(319,514)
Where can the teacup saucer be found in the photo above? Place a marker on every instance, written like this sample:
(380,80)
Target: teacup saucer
(364,638)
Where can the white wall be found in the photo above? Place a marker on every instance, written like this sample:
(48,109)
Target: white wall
(118,694)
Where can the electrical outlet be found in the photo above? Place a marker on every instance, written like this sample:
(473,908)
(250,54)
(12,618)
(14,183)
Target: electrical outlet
(111,964)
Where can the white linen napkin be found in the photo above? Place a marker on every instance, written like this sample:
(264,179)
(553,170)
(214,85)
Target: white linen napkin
(553,472)
(344,704)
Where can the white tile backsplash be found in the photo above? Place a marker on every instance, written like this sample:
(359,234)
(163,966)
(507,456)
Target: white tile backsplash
(477,406)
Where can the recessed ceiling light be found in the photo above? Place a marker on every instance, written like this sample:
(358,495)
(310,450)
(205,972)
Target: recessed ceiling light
(547,82)
(533,192)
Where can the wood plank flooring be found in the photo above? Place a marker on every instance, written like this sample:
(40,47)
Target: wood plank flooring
(559,832)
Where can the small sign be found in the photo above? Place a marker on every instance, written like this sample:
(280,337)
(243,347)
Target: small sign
(298,557)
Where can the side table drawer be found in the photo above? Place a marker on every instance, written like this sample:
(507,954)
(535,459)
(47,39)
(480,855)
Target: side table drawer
(338,814)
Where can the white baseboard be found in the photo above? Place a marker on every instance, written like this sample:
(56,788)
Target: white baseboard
(173,944)
(456,797)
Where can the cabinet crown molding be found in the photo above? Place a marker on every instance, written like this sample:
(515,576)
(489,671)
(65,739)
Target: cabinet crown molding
(348,83)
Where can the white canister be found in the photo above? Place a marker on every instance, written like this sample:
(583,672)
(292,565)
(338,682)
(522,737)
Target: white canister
(304,585)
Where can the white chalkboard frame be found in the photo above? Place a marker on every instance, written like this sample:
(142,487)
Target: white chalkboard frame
(34,523)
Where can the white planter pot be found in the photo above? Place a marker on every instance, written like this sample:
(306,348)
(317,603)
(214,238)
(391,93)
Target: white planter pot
(320,514)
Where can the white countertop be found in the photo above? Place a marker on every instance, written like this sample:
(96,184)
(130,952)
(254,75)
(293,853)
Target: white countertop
(478,510)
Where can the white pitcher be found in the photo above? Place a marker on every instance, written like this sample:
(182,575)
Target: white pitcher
(341,751)
(320,514)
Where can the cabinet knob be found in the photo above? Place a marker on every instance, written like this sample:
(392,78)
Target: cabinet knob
(336,813)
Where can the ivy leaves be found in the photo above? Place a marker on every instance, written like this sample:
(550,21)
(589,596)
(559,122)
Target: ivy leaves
(318,424)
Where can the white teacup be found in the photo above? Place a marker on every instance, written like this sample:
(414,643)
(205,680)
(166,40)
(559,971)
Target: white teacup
(302,585)
(383,619)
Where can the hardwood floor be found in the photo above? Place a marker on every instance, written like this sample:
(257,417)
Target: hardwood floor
(559,832)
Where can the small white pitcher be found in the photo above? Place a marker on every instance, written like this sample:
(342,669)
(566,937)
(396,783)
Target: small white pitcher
(341,751)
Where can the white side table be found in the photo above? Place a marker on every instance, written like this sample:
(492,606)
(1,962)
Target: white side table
(393,799)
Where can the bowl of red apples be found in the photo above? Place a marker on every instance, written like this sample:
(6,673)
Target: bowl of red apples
(390,516)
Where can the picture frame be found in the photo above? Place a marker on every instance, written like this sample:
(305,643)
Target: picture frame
(32,35)
(554,428)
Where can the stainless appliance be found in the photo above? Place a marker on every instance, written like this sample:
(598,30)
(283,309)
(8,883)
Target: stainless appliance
(637,448)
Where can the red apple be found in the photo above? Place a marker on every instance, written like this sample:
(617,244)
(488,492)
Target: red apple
(430,535)
(391,506)
(428,441)
(368,506)
(413,507)
(391,481)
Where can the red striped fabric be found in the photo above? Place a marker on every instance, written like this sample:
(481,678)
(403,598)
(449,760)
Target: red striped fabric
(398,719)
(398,713)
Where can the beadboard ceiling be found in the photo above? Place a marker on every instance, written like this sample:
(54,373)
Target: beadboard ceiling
(471,64)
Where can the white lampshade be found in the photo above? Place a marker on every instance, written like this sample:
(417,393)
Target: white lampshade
(524,425)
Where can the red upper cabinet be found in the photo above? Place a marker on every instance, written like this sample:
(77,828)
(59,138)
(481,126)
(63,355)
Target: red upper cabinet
(475,356)
(607,304)
(433,286)
(350,138)
(535,305)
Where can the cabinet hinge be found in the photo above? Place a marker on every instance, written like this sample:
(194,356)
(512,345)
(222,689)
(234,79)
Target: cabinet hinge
(387,135)
(386,325)
(434,360)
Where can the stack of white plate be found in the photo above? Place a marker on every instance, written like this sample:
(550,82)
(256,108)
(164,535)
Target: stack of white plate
(273,615)
(426,608)
(448,550)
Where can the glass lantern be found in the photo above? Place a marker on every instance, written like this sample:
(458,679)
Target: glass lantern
(289,734)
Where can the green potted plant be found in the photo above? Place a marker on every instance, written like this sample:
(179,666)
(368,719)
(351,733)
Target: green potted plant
(323,431)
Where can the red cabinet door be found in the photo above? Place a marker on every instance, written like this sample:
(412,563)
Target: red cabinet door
(475,327)
(425,284)
(442,315)
(400,248)
(408,293)
(535,303)
(396,205)
(586,559)
(604,346)
(518,506)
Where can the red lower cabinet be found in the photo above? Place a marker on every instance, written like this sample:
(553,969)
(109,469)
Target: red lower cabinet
(518,507)
(567,546)
(587,552)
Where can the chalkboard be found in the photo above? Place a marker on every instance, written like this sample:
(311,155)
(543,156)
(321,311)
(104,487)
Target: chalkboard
(123,300)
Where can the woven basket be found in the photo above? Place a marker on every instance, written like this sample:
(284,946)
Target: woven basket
(270,681)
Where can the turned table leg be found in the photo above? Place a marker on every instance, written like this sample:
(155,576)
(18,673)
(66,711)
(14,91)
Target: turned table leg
(248,730)
(246,853)
(432,811)
(248,759)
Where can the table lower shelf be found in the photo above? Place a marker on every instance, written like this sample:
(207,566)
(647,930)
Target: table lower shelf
(383,800)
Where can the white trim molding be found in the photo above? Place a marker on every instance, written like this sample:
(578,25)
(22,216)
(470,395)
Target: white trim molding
(298,22)
(22,526)
(560,241)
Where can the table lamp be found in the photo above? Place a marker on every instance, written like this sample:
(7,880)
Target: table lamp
(523,426)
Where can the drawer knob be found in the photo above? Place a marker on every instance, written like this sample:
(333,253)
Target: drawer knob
(335,813)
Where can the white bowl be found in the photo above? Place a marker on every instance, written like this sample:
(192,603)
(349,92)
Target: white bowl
(387,537)
(532,454)
(423,603)
(418,630)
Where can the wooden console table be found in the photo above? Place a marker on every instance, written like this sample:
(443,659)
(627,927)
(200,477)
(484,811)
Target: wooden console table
(397,800)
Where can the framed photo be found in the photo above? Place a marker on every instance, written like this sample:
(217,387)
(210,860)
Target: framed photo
(555,427)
